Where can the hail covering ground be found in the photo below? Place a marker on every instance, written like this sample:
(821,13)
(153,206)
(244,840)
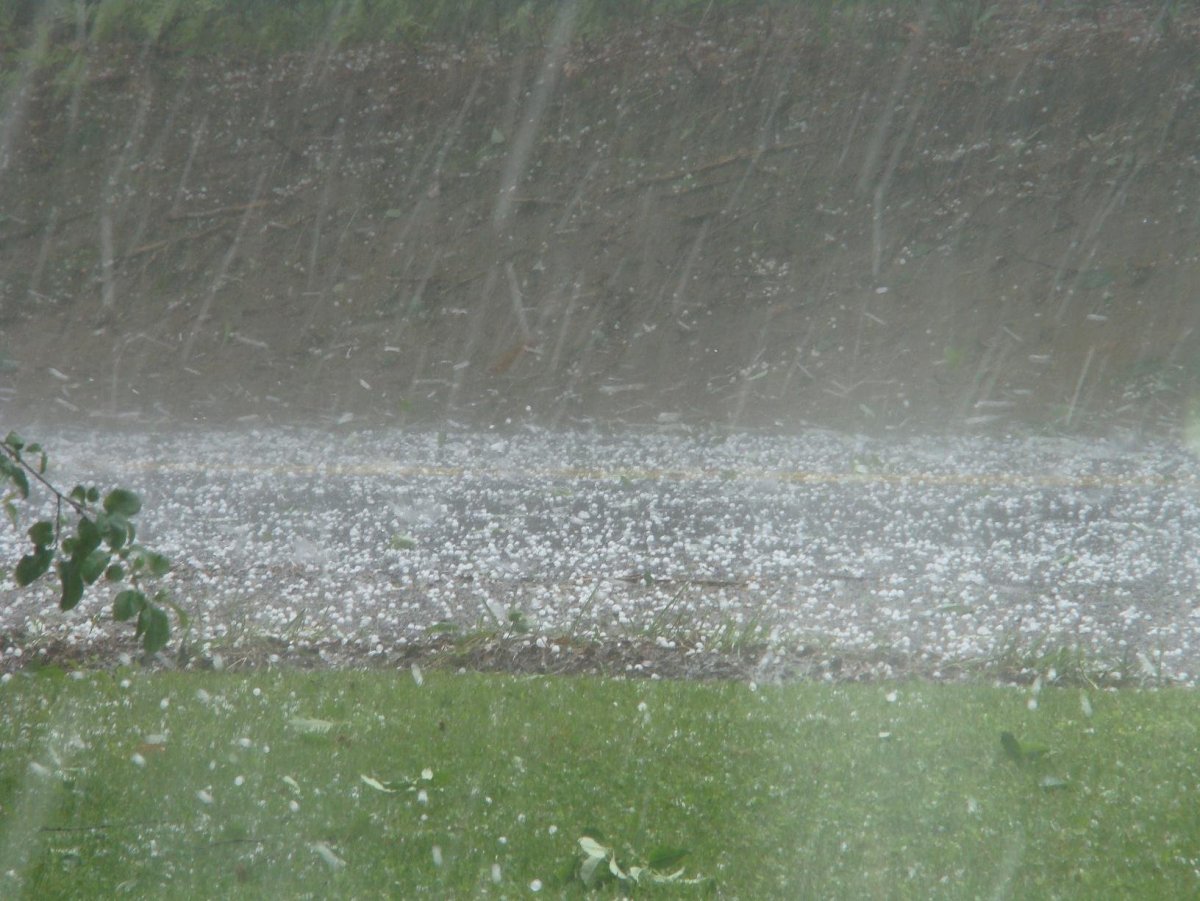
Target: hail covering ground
(354,545)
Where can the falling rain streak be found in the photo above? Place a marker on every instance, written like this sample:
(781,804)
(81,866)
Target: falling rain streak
(785,218)
(742,342)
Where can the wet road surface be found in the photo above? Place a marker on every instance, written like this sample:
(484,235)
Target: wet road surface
(936,550)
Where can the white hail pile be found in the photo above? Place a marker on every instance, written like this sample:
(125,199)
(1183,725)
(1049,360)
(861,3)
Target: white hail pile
(933,548)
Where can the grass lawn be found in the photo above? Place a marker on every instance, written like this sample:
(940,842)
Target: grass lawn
(291,784)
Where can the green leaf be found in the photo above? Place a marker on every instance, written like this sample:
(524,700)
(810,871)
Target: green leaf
(157,564)
(33,566)
(517,619)
(1034,750)
(666,858)
(93,494)
(155,629)
(1022,752)
(15,441)
(87,540)
(78,494)
(128,604)
(123,501)
(72,584)
(116,529)
(92,566)
(115,573)
(10,511)
(42,533)
(1011,747)
(17,476)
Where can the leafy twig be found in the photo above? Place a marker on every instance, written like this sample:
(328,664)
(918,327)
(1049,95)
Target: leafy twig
(101,545)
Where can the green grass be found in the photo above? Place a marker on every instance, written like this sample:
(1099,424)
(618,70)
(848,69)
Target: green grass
(131,784)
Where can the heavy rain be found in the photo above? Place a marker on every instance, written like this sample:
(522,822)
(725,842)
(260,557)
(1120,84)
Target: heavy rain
(742,345)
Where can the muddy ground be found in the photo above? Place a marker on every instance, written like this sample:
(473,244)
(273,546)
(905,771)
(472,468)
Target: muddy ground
(764,217)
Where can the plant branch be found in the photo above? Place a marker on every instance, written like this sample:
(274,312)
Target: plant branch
(16,457)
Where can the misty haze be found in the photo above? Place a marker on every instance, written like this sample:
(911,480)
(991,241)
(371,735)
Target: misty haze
(816,357)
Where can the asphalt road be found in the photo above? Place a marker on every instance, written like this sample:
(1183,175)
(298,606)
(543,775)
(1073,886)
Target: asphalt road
(930,550)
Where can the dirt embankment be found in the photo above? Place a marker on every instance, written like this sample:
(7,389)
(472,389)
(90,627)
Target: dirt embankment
(758,218)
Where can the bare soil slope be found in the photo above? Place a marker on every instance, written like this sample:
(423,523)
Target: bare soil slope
(762,218)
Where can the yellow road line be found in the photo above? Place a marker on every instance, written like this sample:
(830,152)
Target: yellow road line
(395,470)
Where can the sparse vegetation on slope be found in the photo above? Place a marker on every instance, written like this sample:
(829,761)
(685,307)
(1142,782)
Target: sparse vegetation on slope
(866,215)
